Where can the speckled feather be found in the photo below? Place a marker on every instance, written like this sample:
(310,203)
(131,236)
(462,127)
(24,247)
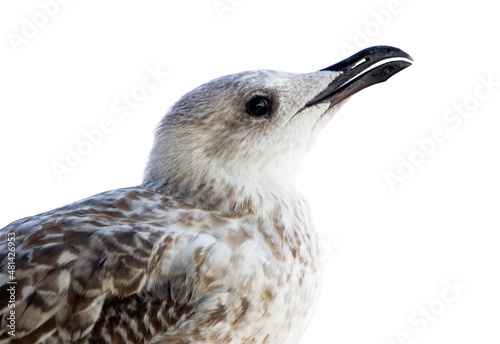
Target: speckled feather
(216,245)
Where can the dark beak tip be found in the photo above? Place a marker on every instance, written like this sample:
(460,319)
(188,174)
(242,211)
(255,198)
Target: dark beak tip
(392,68)
(368,67)
(370,56)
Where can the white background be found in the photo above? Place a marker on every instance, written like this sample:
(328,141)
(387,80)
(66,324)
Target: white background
(389,252)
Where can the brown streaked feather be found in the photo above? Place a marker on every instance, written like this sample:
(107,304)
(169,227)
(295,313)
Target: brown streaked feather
(92,270)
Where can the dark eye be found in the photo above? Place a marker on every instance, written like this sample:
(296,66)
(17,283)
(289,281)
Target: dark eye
(258,106)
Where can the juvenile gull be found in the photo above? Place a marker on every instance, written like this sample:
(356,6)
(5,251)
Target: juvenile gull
(215,246)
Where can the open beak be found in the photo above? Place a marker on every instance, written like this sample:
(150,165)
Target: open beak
(363,69)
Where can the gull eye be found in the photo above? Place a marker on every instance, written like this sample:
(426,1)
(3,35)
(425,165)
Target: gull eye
(258,106)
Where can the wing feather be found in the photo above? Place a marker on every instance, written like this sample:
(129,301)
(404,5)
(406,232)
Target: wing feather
(106,265)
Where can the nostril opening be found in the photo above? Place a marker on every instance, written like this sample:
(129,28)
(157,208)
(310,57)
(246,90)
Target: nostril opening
(363,60)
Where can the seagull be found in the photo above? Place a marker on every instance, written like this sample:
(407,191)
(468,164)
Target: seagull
(215,246)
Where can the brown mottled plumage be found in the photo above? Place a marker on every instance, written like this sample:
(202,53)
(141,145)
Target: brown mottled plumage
(216,245)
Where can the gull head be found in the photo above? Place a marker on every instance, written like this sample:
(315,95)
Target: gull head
(255,127)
